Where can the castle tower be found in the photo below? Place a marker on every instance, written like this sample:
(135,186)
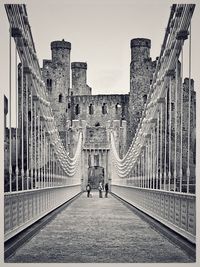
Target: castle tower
(79,79)
(61,63)
(141,71)
(56,74)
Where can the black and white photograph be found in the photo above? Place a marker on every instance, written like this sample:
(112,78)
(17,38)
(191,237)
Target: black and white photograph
(99,118)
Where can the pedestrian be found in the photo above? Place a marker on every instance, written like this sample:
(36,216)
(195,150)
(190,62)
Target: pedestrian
(106,190)
(100,188)
(88,189)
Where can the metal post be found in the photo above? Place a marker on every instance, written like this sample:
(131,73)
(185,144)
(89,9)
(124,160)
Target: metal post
(39,151)
(148,163)
(157,151)
(189,107)
(165,157)
(35,147)
(44,156)
(22,130)
(16,120)
(27,139)
(10,104)
(31,138)
(175,128)
(170,130)
(161,144)
(181,124)
(151,161)
(143,183)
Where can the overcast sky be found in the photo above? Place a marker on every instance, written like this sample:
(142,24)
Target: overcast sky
(100,32)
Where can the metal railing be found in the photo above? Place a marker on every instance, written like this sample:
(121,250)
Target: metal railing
(161,159)
(39,173)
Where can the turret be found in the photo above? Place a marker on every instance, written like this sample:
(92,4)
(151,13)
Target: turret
(140,49)
(141,70)
(60,51)
(79,79)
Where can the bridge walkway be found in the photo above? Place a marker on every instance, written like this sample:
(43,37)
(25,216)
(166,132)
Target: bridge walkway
(98,230)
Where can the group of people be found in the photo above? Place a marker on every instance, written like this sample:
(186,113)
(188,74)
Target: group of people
(100,188)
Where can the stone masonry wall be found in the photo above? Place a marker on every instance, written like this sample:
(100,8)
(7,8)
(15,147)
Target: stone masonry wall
(98,109)
(141,72)
(79,79)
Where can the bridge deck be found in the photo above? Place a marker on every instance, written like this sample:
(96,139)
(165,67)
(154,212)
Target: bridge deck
(98,230)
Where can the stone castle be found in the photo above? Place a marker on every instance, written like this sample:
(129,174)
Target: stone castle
(76,109)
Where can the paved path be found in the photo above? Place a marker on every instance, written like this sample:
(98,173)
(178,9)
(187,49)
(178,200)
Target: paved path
(98,230)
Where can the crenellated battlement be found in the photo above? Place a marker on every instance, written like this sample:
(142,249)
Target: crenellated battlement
(79,65)
(140,42)
(60,45)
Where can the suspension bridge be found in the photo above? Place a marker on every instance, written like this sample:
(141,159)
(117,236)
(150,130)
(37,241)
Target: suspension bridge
(155,179)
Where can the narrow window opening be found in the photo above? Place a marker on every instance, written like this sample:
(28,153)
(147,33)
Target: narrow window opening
(91,109)
(144,98)
(60,98)
(104,108)
(77,109)
(49,84)
(117,108)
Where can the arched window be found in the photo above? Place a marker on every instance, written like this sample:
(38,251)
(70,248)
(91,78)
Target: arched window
(49,84)
(117,107)
(144,98)
(60,98)
(104,108)
(91,109)
(77,109)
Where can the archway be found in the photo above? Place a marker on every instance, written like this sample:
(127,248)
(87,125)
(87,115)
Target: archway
(95,176)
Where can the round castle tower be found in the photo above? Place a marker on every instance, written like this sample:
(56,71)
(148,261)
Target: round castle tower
(61,60)
(59,73)
(140,49)
(140,76)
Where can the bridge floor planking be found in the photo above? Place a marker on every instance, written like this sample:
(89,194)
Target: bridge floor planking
(94,230)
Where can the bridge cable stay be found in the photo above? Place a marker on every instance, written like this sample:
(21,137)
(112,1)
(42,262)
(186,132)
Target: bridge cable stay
(30,66)
(157,174)
(157,90)
(41,175)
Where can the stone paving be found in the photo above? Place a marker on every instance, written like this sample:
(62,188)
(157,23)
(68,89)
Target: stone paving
(98,230)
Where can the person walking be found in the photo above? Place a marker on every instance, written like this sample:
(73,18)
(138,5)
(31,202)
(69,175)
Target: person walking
(106,190)
(100,188)
(88,189)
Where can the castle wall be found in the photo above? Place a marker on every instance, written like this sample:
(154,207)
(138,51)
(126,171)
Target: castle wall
(98,109)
